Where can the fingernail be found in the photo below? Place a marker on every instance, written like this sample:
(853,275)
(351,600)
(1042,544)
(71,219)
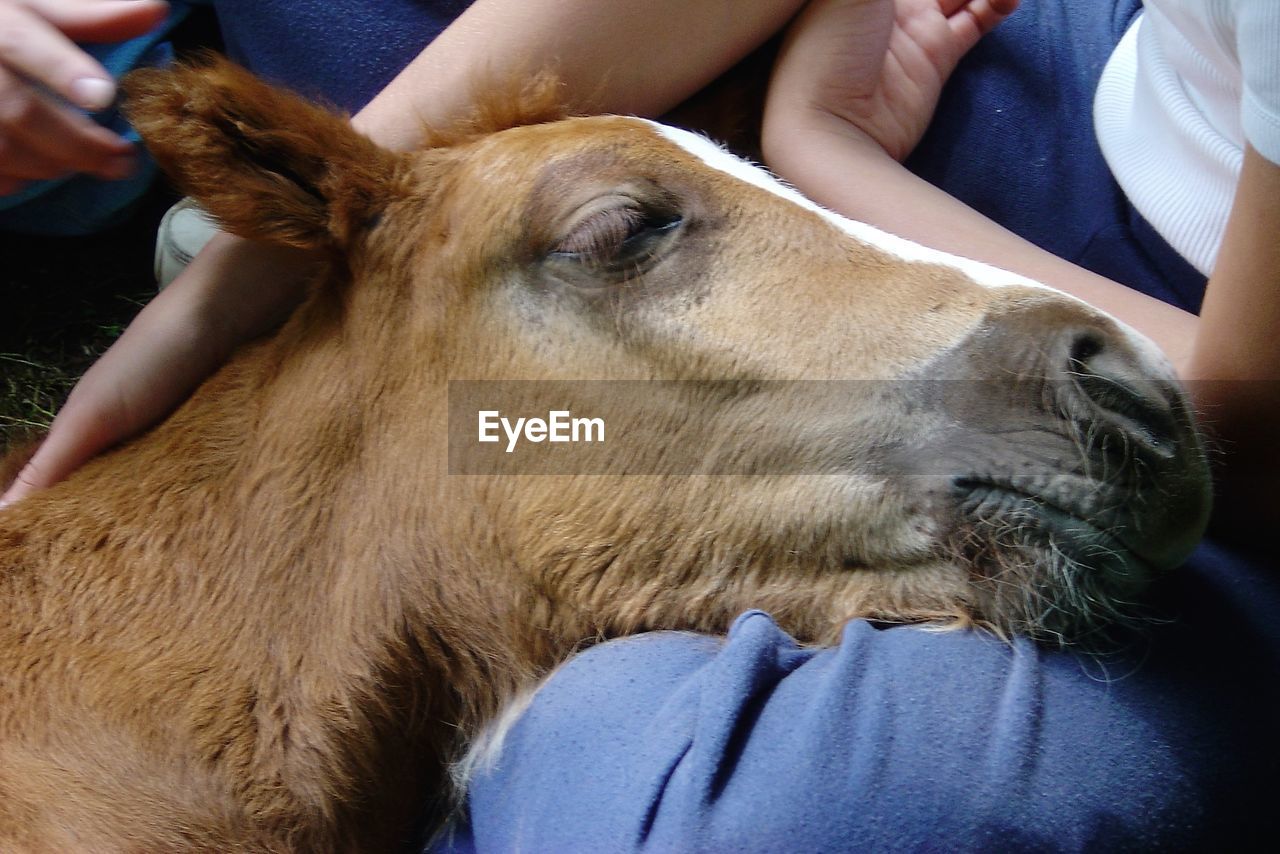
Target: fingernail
(93,93)
(5,502)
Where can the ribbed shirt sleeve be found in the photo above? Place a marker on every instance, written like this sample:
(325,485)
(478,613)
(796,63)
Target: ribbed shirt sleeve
(1186,88)
(1258,46)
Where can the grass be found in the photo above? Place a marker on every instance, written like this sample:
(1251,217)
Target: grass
(68,300)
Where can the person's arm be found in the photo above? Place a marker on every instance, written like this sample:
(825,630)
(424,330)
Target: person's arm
(612,55)
(40,137)
(835,126)
(1235,366)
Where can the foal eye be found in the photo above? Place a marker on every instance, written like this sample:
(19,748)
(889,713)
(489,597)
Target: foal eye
(618,236)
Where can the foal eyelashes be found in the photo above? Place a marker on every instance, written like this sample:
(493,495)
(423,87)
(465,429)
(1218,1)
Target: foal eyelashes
(599,238)
(615,235)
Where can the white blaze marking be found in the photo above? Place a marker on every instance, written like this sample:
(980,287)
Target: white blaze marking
(987,275)
(724,161)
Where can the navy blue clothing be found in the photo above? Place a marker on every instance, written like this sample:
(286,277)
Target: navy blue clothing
(1013,138)
(907,739)
(341,52)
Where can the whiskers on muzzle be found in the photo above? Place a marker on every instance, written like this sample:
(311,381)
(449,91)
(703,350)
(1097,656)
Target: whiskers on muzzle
(1079,589)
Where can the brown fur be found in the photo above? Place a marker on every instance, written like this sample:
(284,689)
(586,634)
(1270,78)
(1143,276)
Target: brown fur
(269,624)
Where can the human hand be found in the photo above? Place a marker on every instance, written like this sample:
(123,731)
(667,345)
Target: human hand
(232,292)
(40,137)
(879,65)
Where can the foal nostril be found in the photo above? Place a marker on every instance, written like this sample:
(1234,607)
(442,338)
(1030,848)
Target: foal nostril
(1118,383)
(1084,346)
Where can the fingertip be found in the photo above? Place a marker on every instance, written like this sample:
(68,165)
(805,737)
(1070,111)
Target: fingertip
(19,489)
(976,18)
(120,147)
(998,10)
(42,471)
(102,143)
(92,93)
(118,168)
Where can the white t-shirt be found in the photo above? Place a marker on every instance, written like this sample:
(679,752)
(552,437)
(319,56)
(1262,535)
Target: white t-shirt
(1189,83)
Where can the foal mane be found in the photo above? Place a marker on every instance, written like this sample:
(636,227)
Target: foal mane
(502,102)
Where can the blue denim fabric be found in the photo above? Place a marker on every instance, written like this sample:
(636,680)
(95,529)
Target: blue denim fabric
(907,740)
(1013,138)
(82,204)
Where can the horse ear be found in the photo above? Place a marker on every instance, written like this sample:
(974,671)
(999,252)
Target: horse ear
(266,163)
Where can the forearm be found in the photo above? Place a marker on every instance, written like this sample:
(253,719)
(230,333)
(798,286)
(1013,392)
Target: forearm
(611,55)
(841,168)
(1235,369)
(1240,318)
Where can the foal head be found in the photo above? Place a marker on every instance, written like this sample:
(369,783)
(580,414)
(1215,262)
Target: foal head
(797,412)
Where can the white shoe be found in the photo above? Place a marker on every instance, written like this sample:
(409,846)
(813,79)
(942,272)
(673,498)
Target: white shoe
(183,232)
